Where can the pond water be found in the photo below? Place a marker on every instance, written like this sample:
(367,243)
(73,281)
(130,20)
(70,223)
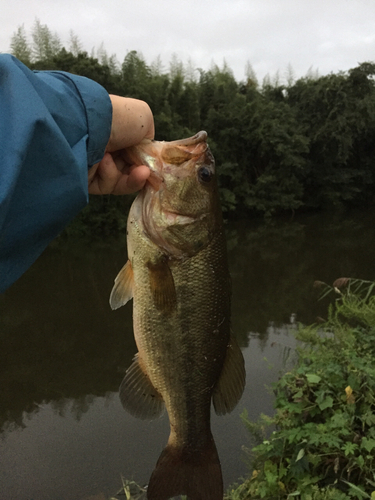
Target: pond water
(63,353)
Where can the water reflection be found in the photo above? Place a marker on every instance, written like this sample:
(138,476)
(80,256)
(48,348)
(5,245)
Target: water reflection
(59,338)
(274,266)
(64,352)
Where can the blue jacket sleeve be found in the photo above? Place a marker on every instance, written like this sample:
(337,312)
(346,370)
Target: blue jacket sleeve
(53,126)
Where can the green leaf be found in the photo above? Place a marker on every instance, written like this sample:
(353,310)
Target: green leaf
(320,396)
(312,378)
(362,493)
(301,454)
(368,444)
(349,448)
(360,461)
(327,403)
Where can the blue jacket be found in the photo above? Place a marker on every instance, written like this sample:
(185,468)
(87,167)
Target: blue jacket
(53,126)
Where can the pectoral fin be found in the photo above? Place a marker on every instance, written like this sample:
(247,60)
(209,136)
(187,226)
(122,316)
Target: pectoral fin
(137,394)
(230,386)
(122,290)
(162,286)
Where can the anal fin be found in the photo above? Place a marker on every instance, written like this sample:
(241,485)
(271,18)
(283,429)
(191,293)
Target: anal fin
(230,386)
(137,394)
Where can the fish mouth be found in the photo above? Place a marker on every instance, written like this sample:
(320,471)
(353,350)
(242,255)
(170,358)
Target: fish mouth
(186,149)
(191,141)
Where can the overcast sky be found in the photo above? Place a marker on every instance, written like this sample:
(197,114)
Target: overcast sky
(327,35)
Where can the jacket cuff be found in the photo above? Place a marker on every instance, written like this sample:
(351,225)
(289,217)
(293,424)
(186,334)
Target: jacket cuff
(98,107)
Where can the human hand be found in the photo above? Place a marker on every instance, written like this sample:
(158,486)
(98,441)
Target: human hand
(132,121)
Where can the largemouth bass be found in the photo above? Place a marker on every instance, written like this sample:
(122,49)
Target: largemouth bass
(177,275)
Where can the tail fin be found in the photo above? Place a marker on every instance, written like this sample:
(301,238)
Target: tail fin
(179,471)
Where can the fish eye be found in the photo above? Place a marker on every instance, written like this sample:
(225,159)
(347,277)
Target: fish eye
(205,174)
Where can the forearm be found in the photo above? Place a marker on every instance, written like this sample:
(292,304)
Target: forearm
(52,127)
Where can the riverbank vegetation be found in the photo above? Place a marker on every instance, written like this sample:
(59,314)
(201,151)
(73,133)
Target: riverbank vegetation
(304,144)
(323,445)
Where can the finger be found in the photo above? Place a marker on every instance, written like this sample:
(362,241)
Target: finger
(133,181)
(92,172)
(121,164)
(105,177)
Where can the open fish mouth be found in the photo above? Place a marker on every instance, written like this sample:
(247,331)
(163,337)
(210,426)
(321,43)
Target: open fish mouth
(186,149)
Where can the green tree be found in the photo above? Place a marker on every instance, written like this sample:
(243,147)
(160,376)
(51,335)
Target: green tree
(46,44)
(277,151)
(250,75)
(222,115)
(75,44)
(136,76)
(19,45)
(189,108)
(337,114)
(84,65)
(158,91)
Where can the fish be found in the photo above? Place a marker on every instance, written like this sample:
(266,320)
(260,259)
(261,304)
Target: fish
(177,275)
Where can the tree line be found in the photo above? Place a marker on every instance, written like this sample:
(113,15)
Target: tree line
(300,145)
